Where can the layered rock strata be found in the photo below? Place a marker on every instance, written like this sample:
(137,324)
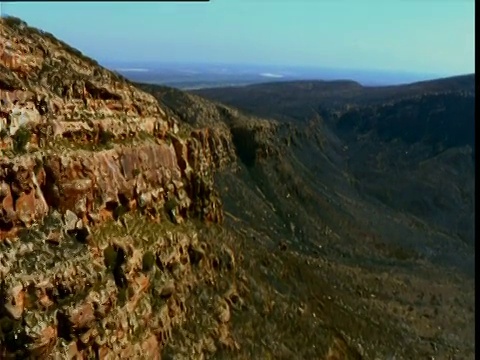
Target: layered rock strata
(97,186)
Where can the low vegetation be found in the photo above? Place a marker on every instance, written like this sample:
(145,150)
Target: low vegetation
(21,139)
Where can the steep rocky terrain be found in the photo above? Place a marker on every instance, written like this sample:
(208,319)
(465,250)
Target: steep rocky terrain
(164,225)
(338,203)
(409,147)
(93,175)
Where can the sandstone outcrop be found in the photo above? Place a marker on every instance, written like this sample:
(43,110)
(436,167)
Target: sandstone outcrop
(93,174)
(92,141)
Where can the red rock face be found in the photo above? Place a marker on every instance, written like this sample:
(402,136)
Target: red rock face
(21,198)
(99,178)
(73,110)
(151,348)
(25,207)
(8,208)
(85,182)
(76,148)
(86,106)
(82,316)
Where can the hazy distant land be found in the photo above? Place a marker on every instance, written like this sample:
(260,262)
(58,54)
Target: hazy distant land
(197,76)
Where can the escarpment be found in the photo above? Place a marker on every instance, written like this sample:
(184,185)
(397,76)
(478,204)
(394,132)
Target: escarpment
(98,190)
(94,183)
(78,137)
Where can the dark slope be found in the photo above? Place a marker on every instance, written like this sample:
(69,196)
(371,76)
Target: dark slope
(344,201)
(417,155)
(413,154)
(295,99)
(410,146)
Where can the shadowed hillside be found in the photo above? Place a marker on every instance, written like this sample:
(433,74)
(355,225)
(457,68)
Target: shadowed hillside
(410,147)
(384,187)
(295,99)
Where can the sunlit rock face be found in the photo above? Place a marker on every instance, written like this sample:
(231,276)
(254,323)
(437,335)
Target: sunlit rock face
(92,175)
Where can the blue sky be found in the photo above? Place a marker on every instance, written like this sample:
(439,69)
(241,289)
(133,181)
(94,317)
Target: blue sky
(422,36)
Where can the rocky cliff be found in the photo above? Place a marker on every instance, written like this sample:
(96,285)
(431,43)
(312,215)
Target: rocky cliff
(76,136)
(82,151)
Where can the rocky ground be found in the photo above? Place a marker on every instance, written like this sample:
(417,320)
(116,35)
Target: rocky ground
(162,225)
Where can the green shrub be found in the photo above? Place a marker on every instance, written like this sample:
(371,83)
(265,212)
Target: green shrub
(3,134)
(171,209)
(21,139)
(119,211)
(148,261)
(13,21)
(110,255)
(105,137)
(170,205)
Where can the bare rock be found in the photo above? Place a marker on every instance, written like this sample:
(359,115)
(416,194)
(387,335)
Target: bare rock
(70,220)
(15,301)
(223,311)
(168,290)
(82,316)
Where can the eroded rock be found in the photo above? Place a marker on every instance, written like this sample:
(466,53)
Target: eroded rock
(88,165)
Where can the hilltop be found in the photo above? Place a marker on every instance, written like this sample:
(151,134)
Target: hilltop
(339,95)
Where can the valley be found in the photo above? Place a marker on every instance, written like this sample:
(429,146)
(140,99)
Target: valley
(286,220)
